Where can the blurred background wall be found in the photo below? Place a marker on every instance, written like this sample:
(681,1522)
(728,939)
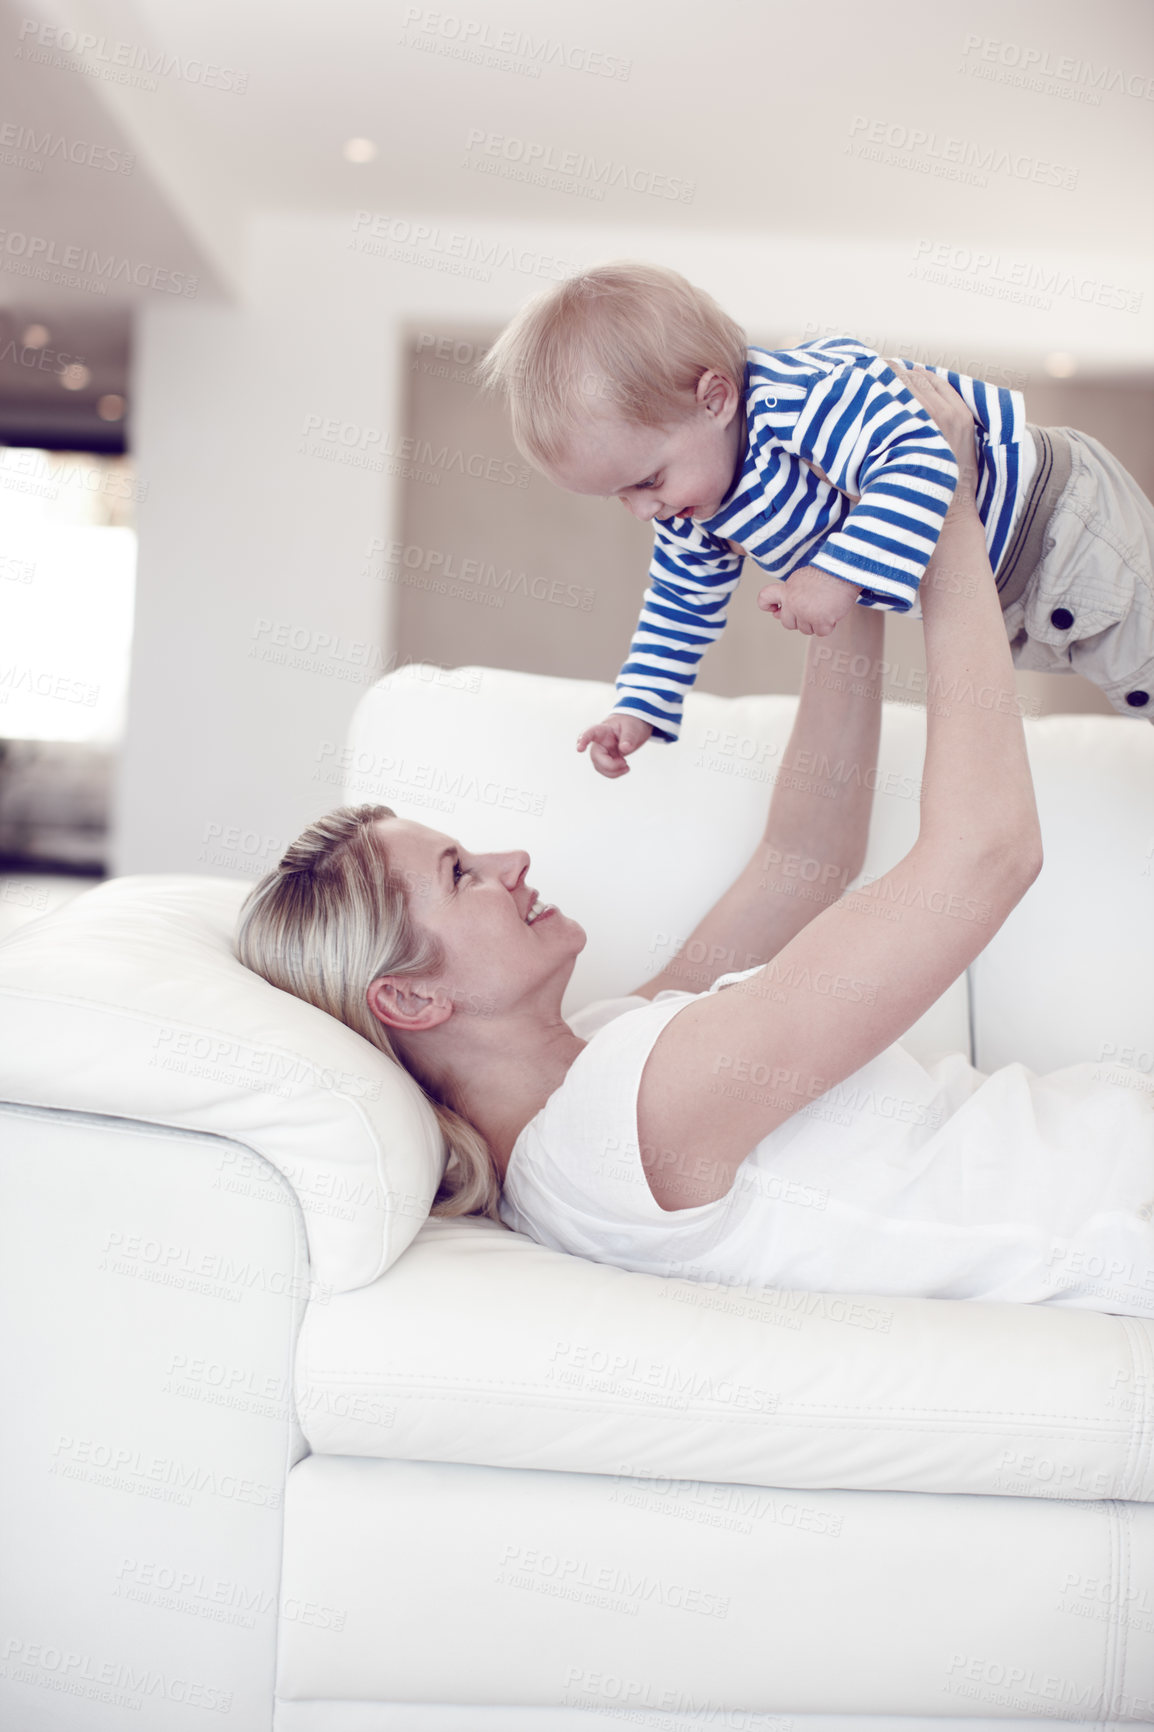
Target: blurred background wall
(250,254)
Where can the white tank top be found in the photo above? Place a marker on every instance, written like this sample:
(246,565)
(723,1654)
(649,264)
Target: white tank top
(930,1182)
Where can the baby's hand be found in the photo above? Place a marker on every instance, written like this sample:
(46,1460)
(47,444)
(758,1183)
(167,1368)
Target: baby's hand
(612,741)
(811,602)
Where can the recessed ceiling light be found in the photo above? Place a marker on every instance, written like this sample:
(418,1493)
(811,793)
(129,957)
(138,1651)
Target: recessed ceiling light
(111,407)
(75,377)
(35,336)
(359,150)
(1061,365)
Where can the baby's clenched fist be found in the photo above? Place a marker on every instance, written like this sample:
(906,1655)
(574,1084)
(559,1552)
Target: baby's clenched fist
(812,601)
(612,741)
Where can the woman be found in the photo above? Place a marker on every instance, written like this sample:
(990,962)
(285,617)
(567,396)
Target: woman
(735,1134)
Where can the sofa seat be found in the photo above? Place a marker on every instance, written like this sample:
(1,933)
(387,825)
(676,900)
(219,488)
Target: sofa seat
(480,1346)
(580,1590)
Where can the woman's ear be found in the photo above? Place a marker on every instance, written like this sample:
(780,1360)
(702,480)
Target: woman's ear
(407,1005)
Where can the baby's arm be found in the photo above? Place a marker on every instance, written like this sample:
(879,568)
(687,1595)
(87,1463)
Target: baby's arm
(691,578)
(897,468)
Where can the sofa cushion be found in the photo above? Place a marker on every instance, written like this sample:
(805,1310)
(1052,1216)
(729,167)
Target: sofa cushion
(481,1346)
(129,1001)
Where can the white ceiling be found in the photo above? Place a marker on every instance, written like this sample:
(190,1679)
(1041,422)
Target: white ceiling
(756,107)
(754,102)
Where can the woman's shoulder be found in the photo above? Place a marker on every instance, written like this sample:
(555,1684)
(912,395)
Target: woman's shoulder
(615,1031)
(582,1145)
(575,1180)
(577,1137)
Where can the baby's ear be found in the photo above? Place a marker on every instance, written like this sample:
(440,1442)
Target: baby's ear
(718,394)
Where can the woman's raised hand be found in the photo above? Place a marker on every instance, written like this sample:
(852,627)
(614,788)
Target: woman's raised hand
(952,419)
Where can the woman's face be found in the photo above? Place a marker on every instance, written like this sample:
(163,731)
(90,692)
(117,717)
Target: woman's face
(478,907)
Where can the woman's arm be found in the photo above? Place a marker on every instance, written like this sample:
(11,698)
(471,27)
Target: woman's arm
(815,836)
(732,1066)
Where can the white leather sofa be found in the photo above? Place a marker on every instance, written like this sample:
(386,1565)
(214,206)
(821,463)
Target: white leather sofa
(281,1452)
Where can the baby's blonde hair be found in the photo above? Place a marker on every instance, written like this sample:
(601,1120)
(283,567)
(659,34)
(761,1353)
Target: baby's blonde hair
(633,339)
(327,921)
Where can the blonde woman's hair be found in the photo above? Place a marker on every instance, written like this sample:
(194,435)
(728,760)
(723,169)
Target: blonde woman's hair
(326,922)
(629,338)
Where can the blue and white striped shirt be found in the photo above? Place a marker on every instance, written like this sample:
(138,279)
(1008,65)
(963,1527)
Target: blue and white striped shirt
(837,404)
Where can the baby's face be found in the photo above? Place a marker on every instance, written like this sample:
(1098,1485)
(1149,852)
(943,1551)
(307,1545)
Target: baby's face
(683,469)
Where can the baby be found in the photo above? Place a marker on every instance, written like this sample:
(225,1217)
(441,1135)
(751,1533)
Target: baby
(627,382)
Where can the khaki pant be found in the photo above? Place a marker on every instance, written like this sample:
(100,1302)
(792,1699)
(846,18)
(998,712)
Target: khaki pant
(1076,583)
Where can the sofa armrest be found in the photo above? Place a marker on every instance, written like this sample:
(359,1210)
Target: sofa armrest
(151,1300)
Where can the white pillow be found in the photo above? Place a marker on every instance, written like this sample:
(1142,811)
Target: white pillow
(129,1001)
